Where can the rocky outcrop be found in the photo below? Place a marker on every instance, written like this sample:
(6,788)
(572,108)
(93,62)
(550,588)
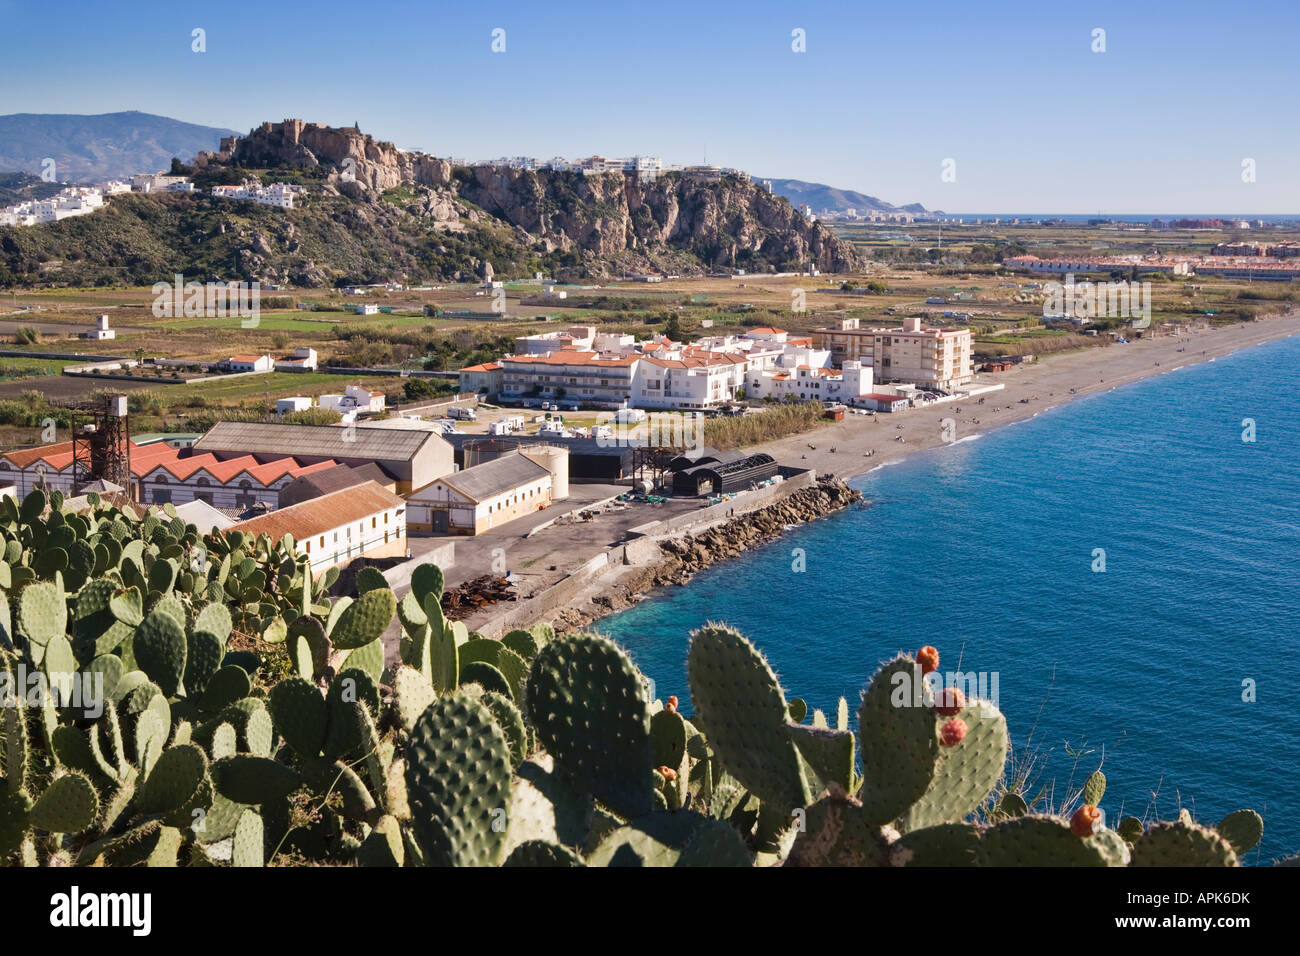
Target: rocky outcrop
(681,558)
(728,223)
(613,222)
(350,155)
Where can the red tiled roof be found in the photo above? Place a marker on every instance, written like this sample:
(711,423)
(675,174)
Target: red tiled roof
(322,514)
(485,367)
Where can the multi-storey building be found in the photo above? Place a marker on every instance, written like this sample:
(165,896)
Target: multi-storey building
(934,358)
(687,379)
(602,381)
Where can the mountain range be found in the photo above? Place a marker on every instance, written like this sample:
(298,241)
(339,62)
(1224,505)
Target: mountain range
(118,145)
(821,197)
(94,148)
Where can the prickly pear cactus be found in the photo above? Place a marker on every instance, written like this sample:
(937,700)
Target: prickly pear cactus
(458,780)
(743,711)
(588,704)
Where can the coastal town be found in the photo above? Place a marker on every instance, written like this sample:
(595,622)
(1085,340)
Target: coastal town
(855,437)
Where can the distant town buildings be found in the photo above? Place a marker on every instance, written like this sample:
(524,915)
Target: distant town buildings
(1226,265)
(642,166)
(161,183)
(73,201)
(275,194)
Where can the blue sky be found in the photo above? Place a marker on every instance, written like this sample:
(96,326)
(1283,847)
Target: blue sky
(885,92)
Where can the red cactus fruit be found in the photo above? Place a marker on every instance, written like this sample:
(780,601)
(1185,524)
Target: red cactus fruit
(671,706)
(953,732)
(928,658)
(668,773)
(1085,822)
(949,702)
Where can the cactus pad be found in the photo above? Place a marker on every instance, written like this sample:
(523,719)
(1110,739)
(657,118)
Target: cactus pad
(68,805)
(587,702)
(1182,844)
(897,742)
(458,783)
(742,710)
(966,773)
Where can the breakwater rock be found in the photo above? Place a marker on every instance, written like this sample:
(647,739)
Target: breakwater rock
(681,558)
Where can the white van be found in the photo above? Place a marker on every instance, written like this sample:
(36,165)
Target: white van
(461,413)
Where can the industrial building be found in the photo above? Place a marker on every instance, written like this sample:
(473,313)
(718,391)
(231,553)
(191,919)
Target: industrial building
(601,460)
(483,496)
(335,478)
(707,475)
(411,459)
(360,522)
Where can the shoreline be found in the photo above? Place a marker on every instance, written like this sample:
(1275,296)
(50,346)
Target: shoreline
(1047,383)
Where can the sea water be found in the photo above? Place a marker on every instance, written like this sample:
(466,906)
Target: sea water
(1126,564)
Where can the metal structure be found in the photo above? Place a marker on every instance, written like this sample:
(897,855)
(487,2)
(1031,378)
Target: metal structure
(722,478)
(652,463)
(101,447)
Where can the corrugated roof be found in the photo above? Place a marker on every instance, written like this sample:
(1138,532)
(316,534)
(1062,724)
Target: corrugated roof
(318,441)
(321,514)
(495,477)
(338,477)
(577,445)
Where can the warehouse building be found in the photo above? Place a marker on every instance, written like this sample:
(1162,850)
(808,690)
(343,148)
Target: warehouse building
(411,459)
(724,477)
(482,497)
(590,459)
(334,478)
(364,521)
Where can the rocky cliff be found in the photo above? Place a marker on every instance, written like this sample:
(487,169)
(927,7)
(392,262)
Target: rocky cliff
(608,222)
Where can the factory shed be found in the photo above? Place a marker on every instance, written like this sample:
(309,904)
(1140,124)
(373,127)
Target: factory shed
(722,478)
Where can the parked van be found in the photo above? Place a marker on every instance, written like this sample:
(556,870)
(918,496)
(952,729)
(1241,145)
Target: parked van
(461,413)
(629,416)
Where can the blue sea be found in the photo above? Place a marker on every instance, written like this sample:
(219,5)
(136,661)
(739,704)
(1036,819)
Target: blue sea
(987,549)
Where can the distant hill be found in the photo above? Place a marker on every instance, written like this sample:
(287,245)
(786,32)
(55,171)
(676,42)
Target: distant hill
(372,213)
(20,187)
(99,147)
(820,196)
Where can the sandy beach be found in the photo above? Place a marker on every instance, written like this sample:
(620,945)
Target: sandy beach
(1050,381)
(1046,383)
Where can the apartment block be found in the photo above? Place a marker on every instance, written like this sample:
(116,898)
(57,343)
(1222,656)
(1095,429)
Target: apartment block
(933,358)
